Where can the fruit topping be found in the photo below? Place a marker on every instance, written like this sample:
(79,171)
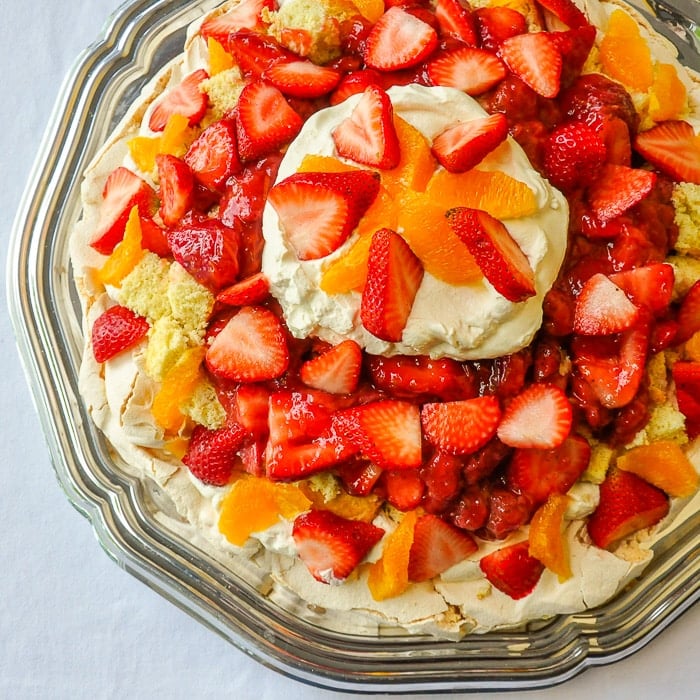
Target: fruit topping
(686,376)
(603,308)
(673,148)
(547,543)
(466,68)
(498,23)
(573,156)
(244,15)
(617,189)
(185,98)
(115,330)
(301,78)
(337,370)
(251,290)
(213,156)
(212,454)
(512,570)
(536,60)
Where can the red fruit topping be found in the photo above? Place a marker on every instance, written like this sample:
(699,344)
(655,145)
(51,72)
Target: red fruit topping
(461,427)
(359,477)
(466,68)
(399,40)
(176,188)
(185,98)
(154,238)
(318,211)
(403,488)
(618,189)
(574,46)
(246,192)
(394,275)
(536,60)
(686,376)
(115,330)
(331,546)
(244,15)
(512,570)
(573,156)
(302,78)
(368,135)
(466,144)
(252,347)
(255,52)
(603,308)
(673,148)
(336,371)
(250,408)
(496,24)
(689,314)
(212,454)
(500,258)
(442,476)
(627,504)
(213,156)
(436,547)
(265,121)
(251,290)
(455,20)
(649,286)
(354,83)
(121,192)
(566,11)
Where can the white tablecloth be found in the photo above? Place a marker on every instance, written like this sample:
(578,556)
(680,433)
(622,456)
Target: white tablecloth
(72,623)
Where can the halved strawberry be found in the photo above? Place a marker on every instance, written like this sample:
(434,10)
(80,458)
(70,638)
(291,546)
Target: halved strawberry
(336,371)
(176,188)
(648,286)
(251,290)
(394,275)
(500,258)
(538,417)
(213,156)
(255,52)
(299,461)
(265,122)
(464,145)
(122,190)
(185,99)
(244,15)
(252,347)
(403,488)
(537,473)
(617,189)
(689,314)
(627,504)
(565,11)
(603,308)
(300,416)
(302,78)
(212,454)
(399,40)
(318,211)
(354,83)
(250,407)
(574,46)
(573,156)
(368,135)
(466,68)
(673,148)
(512,570)
(496,24)
(536,60)
(115,330)
(461,427)
(436,547)
(456,21)
(153,237)
(331,546)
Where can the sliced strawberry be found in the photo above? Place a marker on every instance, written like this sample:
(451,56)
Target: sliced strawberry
(213,156)
(299,461)
(244,15)
(466,144)
(496,24)
(265,121)
(574,46)
(336,371)
(673,148)
(251,290)
(442,475)
(466,68)
(186,99)
(512,570)
(399,40)
(115,330)
(500,258)
(394,275)
(122,191)
(250,408)
(603,308)
(573,156)
(436,547)
(565,11)
(403,488)
(536,60)
(300,416)
(302,78)
(617,189)
(246,192)
(627,504)
(212,454)
(153,237)
(689,314)
(255,52)
(252,347)
(686,376)
(455,20)
(354,83)
(207,249)
(176,188)
(318,211)
(649,286)
(461,427)
(615,134)
(359,476)
(368,135)
(331,546)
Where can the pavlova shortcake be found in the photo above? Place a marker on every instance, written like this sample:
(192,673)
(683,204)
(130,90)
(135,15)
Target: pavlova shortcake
(398,302)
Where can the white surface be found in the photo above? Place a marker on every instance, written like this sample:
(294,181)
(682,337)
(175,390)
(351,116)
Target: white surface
(72,623)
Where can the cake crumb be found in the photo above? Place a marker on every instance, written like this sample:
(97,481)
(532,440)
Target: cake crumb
(686,200)
(204,408)
(144,289)
(223,90)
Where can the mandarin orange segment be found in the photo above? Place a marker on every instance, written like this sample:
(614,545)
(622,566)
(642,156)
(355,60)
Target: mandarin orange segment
(127,253)
(663,464)
(382,213)
(370,9)
(363,508)
(624,54)
(668,96)
(388,576)
(349,272)
(313,163)
(176,136)
(546,537)
(219,59)
(143,151)
(417,163)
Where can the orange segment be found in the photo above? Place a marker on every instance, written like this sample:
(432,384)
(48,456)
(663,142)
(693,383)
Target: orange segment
(547,542)
(173,141)
(663,464)
(219,59)
(370,9)
(624,54)
(417,163)
(313,163)
(127,253)
(344,504)
(667,97)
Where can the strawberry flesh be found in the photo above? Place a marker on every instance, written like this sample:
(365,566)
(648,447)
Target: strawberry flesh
(115,330)
(673,148)
(186,99)
(512,570)
(212,455)
(213,156)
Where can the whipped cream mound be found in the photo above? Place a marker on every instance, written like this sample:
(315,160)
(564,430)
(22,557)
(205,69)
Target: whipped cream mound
(465,322)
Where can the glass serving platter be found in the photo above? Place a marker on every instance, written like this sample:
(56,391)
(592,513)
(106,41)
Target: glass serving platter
(139,39)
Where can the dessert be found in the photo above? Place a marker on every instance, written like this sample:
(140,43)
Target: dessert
(399,304)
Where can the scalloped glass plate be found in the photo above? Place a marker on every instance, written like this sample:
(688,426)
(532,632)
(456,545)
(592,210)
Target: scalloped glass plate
(137,41)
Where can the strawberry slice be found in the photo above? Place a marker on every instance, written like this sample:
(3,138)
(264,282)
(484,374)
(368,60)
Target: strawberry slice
(686,376)
(394,275)
(250,408)
(368,135)
(154,238)
(299,461)
(603,308)
(436,547)
(115,330)
(537,473)
(318,211)
(466,68)
(176,188)
(464,145)
(649,286)
(251,290)
(689,314)
(536,60)
(512,570)
(456,21)
(573,155)
(252,347)
(617,189)
(359,476)
(500,258)
(185,99)
(332,546)
(539,417)
(336,371)
(627,504)
(673,148)
(302,78)
(574,46)
(354,83)
(265,121)
(122,191)
(461,427)
(397,40)
(565,11)
(496,24)
(213,156)
(442,475)
(212,455)
(403,488)
(255,52)
(244,15)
